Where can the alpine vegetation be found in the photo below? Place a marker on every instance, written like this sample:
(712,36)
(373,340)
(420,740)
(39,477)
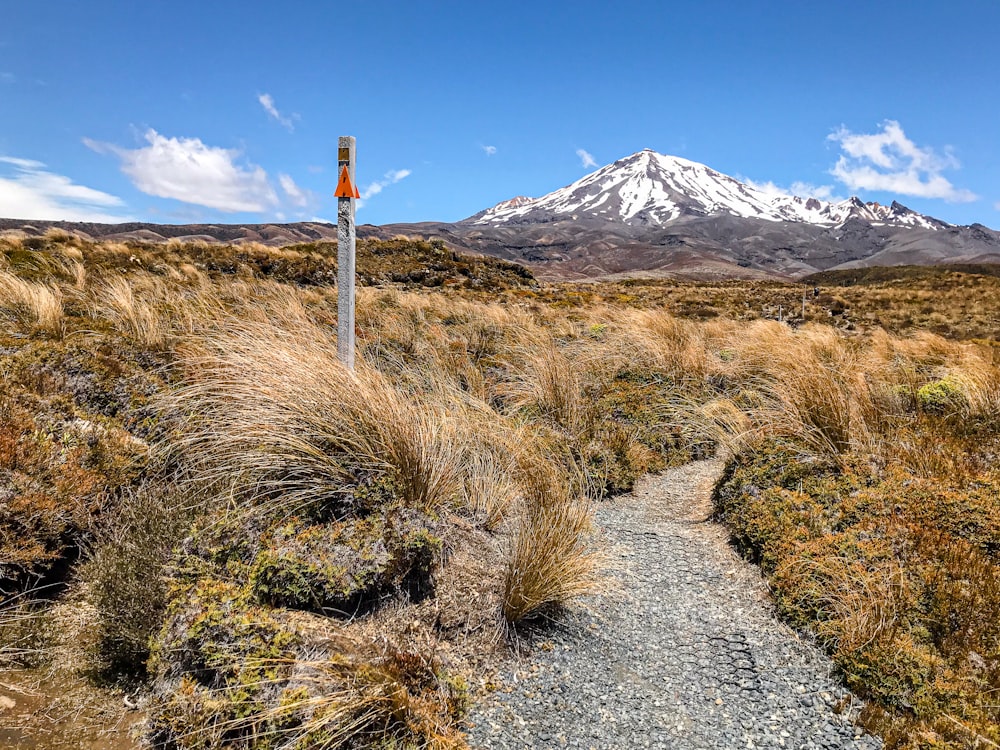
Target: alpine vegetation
(198,503)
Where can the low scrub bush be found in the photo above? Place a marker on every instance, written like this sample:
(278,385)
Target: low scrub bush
(897,576)
(54,478)
(126,575)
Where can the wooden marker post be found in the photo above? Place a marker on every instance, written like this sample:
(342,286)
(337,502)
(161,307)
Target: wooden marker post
(346,193)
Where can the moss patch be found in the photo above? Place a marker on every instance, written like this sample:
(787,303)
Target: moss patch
(899,576)
(343,569)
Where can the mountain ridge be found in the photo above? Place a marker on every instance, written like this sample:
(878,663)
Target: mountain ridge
(656,189)
(646,215)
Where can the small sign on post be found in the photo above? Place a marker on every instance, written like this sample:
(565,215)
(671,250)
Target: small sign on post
(346,193)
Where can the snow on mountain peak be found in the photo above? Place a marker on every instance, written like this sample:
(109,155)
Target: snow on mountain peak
(649,188)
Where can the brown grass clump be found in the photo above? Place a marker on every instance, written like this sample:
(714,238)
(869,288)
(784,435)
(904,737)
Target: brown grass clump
(278,415)
(35,305)
(489,490)
(305,459)
(553,559)
(812,382)
(548,386)
(897,575)
(666,343)
(348,694)
(137,316)
(392,697)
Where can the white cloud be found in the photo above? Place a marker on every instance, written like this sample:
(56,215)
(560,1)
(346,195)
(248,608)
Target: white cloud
(768,188)
(586,159)
(997,206)
(267,102)
(490,150)
(391,177)
(30,191)
(295,194)
(808,190)
(187,170)
(890,161)
(798,188)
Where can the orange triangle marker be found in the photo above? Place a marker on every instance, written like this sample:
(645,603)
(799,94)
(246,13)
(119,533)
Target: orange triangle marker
(344,187)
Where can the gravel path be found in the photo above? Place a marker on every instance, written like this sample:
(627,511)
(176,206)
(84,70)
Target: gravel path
(685,652)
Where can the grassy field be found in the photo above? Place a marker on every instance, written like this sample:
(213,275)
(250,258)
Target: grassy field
(277,551)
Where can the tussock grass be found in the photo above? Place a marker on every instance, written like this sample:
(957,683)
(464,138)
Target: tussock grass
(813,385)
(553,559)
(549,386)
(375,698)
(855,606)
(277,415)
(723,422)
(355,696)
(489,490)
(33,304)
(470,445)
(665,343)
(136,315)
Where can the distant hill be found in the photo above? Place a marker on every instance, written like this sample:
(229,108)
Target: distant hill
(886,274)
(275,235)
(645,216)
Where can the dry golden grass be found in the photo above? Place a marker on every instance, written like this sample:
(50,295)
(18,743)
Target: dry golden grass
(722,422)
(78,271)
(959,304)
(353,697)
(875,519)
(277,413)
(489,490)
(553,560)
(812,383)
(133,311)
(664,342)
(548,385)
(857,606)
(35,305)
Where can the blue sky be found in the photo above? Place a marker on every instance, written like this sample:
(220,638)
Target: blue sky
(224,111)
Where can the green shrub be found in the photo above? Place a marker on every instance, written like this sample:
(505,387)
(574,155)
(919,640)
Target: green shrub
(941,396)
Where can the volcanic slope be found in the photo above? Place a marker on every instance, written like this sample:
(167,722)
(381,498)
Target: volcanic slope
(651,189)
(655,215)
(646,215)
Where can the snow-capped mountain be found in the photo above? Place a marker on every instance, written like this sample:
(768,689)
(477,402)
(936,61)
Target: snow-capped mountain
(652,189)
